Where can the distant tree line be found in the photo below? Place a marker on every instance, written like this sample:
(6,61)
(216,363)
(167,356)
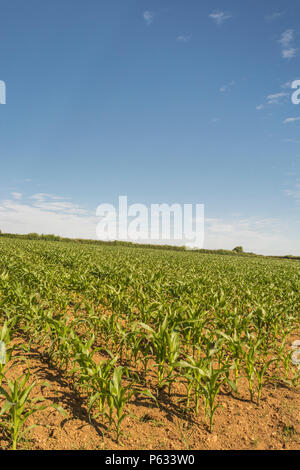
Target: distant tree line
(237,251)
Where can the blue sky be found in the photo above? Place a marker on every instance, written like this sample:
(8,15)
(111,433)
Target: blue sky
(160,100)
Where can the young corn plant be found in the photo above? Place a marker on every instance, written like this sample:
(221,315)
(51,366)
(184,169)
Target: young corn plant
(19,407)
(96,378)
(249,365)
(137,343)
(260,373)
(173,353)
(118,395)
(166,348)
(235,347)
(5,351)
(108,328)
(82,358)
(141,349)
(211,384)
(117,398)
(194,374)
(121,340)
(61,336)
(286,361)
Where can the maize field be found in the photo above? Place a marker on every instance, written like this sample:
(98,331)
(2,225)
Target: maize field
(119,348)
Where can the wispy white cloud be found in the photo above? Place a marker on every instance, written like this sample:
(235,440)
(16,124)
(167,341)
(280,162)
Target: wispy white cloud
(55,203)
(289,53)
(292,141)
(215,119)
(276,98)
(227,87)
(287,84)
(63,207)
(291,119)
(184,38)
(44,196)
(274,16)
(286,40)
(148,17)
(17,196)
(259,235)
(23,217)
(220,16)
(294,193)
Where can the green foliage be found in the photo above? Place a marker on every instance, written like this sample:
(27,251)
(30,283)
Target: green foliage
(101,312)
(18,407)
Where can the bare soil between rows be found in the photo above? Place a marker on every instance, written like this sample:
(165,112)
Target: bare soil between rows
(239,423)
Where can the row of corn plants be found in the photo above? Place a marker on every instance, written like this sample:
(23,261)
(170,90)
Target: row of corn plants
(208,322)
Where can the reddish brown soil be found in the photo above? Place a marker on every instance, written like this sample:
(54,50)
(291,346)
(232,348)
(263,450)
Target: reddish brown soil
(239,423)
